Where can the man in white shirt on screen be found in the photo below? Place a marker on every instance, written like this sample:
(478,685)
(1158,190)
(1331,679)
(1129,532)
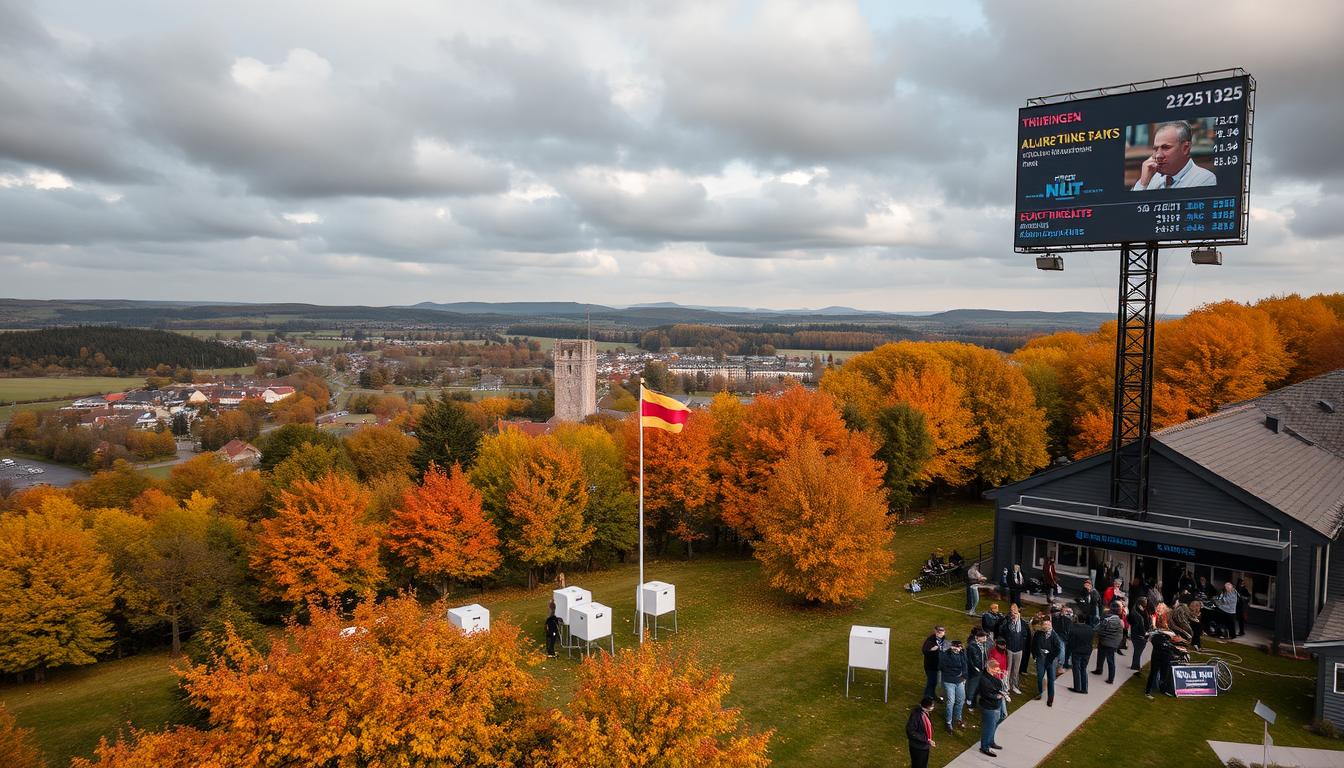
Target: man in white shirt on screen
(1170,166)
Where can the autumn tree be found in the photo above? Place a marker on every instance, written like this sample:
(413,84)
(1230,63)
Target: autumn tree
(17,749)
(498,456)
(823,527)
(318,545)
(406,689)
(1301,323)
(115,487)
(679,488)
(766,431)
(1219,354)
(441,532)
(241,495)
(309,461)
(279,444)
(647,707)
(546,502)
(613,507)
(56,590)
(376,451)
(446,435)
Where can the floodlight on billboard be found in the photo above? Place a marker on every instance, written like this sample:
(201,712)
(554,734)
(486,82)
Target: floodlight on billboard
(1164,162)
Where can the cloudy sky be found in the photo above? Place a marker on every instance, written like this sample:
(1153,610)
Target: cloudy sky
(775,154)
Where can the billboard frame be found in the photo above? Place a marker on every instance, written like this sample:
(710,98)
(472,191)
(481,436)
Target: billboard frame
(1153,85)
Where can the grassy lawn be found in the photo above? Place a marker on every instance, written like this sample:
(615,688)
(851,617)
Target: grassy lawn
(55,388)
(547,344)
(74,708)
(822,353)
(9,410)
(788,663)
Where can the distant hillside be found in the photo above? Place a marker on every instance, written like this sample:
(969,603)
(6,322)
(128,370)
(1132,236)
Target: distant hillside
(103,351)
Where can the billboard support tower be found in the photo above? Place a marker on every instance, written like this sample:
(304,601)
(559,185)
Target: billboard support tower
(1133,406)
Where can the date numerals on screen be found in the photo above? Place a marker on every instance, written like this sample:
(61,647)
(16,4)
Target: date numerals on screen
(1208,96)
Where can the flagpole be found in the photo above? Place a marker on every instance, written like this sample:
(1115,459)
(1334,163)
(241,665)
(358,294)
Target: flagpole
(639,588)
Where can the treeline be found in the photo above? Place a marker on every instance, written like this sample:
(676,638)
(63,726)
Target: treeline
(723,340)
(57,435)
(102,351)
(563,331)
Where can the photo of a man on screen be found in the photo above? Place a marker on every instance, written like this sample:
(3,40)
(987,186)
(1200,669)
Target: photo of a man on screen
(1170,166)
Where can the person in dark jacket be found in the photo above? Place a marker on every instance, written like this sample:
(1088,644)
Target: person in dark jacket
(1243,603)
(552,631)
(932,650)
(991,697)
(1140,625)
(1046,648)
(990,620)
(1159,671)
(977,657)
(1089,605)
(1080,648)
(952,668)
(919,732)
(1063,622)
(1016,631)
(1017,581)
(1109,632)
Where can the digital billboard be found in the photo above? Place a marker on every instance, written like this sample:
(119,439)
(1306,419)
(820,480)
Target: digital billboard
(1167,164)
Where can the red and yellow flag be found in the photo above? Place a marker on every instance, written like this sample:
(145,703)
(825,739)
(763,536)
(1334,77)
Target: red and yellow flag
(660,411)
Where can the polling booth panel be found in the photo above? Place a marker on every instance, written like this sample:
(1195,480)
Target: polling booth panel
(567,599)
(869,648)
(470,618)
(659,598)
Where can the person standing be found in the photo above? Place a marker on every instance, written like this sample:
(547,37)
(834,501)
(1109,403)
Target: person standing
(1184,620)
(552,631)
(1159,671)
(933,649)
(1015,633)
(992,698)
(1155,596)
(1080,648)
(991,619)
(919,732)
(1089,605)
(974,578)
(1243,605)
(952,667)
(1050,577)
(1109,632)
(1046,647)
(1140,625)
(1003,583)
(977,658)
(1063,622)
(1227,603)
(1017,581)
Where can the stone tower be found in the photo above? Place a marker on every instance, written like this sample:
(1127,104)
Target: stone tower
(575,379)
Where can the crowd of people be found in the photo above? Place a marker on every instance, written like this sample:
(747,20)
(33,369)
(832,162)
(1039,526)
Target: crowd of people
(1084,636)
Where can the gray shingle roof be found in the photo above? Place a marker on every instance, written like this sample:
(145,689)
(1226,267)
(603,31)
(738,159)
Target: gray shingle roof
(1299,469)
(1329,626)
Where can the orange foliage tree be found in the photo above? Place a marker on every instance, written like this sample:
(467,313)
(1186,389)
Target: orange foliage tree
(406,688)
(767,430)
(679,491)
(441,532)
(1219,354)
(823,527)
(376,451)
(645,707)
(17,749)
(319,544)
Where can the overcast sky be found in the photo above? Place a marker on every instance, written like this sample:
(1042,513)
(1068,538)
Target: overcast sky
(771,154)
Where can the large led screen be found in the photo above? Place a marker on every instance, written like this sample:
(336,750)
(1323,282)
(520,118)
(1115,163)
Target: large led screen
(1161,165)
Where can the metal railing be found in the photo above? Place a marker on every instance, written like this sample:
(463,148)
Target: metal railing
(1198,524)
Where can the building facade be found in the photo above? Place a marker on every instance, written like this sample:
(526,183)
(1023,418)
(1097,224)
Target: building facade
(575,379)
(1253,492)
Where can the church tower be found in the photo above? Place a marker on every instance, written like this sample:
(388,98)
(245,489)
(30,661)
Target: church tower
(575,379)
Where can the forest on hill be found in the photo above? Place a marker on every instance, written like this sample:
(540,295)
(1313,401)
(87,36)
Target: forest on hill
(103,351)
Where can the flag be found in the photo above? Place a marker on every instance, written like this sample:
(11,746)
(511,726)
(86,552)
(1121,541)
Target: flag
(660,411)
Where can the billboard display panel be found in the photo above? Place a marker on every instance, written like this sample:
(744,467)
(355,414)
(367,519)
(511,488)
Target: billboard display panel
(1167,164)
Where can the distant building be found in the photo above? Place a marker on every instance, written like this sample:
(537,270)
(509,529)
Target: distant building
(575,379)
(491,382)
(276,394)
(238,452)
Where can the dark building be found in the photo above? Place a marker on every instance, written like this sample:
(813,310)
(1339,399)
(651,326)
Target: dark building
(1327,642)
(1254,491)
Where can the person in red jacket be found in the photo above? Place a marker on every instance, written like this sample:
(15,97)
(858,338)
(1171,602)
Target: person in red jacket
(919,732)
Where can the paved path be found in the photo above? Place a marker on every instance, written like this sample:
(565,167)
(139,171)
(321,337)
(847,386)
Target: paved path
(1300,757)
(1032,731)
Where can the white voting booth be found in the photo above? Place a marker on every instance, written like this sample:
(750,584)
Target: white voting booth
(869,648)
(470,618)
(590,622)
(660,599)
(566,600)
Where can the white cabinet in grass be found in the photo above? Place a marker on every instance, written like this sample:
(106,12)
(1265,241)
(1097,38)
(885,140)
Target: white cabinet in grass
(869,648)
(470,618)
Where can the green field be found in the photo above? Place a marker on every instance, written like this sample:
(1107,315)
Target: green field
(838,355)
(547,344)
(9,410)
(788,663)
(53,388)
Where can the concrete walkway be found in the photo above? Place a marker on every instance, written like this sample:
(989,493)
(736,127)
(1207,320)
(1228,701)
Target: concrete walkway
(1031,732)
(1300,757)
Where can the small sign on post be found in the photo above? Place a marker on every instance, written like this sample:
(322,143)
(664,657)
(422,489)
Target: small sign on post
(1266,714)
